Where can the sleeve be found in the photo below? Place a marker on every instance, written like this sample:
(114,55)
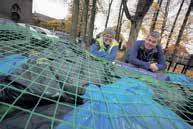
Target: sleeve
(132,57)
(112,55)
(127,57)
(161,59)
(109,56)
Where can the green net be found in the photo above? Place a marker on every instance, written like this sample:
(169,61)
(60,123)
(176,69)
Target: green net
(44,79)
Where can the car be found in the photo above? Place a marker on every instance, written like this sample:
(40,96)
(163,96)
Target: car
(47,33)
(35,34)
(14,33)
(37,38)
(6,21)
(9,30)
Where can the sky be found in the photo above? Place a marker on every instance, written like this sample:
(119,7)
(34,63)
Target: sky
(52,8)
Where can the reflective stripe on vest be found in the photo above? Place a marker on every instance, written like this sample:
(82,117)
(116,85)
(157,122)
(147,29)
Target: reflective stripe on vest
(102,46)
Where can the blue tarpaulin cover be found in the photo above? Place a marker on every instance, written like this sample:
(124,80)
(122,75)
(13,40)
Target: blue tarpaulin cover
(125,104)
(181,79)
(9,64)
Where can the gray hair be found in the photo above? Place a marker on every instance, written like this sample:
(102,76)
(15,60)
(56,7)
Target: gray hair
(109,31)
(155,34)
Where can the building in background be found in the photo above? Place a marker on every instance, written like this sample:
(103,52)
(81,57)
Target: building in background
(17,10)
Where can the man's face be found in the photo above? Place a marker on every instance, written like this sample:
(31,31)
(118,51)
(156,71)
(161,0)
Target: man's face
(107,38)
(150,42)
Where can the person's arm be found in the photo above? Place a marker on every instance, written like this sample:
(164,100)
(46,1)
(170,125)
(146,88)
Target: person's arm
(161,59)
(112,55)
(94,49)
(133,56)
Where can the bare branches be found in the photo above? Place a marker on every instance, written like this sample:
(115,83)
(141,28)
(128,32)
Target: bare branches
(127,13)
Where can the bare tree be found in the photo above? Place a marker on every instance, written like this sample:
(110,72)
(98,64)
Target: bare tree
(75,14)
(155,16)
(164,19)
(109,10)
(174,24)
(91,24)
(182,29)
(118,27)
(100,6)
(137,19)
(85,18)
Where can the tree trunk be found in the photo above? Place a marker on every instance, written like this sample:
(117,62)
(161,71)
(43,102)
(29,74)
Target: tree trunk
(120,25)
(174,24)
(134,31)
(164,19)
(75,14)
(119,21)
(109,10)
(182,30)
(155,16)
(136,20)
(91,25)
(85,19)
(80,23)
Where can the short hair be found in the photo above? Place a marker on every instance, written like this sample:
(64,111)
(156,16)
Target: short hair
(109,31)
(155,34)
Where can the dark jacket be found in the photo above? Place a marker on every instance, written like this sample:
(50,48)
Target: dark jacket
(138,56)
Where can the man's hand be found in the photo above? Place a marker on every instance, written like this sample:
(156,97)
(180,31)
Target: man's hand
(153,67)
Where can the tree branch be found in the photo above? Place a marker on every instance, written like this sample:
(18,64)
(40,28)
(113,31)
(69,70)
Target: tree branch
(126,10)
(142,8)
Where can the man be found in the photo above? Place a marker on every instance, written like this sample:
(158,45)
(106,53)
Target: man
(147,54)
(105,46)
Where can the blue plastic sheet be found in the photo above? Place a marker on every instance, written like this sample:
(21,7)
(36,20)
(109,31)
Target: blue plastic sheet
(9,64)
(126,104)
(181,79)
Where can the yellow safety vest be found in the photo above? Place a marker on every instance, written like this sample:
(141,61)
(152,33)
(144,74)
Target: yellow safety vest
(102,46)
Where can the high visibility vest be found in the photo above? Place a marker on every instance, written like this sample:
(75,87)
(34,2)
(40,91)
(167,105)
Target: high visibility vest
(102,46)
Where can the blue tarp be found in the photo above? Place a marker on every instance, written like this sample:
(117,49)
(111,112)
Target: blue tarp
(9,64)
(126,104)
(180,79)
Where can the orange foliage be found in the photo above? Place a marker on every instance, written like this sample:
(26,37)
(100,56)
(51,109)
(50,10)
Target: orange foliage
(155,5)
(60,25)
(181,50)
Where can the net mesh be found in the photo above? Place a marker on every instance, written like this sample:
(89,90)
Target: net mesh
(42,80)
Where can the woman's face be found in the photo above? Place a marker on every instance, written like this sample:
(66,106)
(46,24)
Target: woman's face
(107,38)
(150,42)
